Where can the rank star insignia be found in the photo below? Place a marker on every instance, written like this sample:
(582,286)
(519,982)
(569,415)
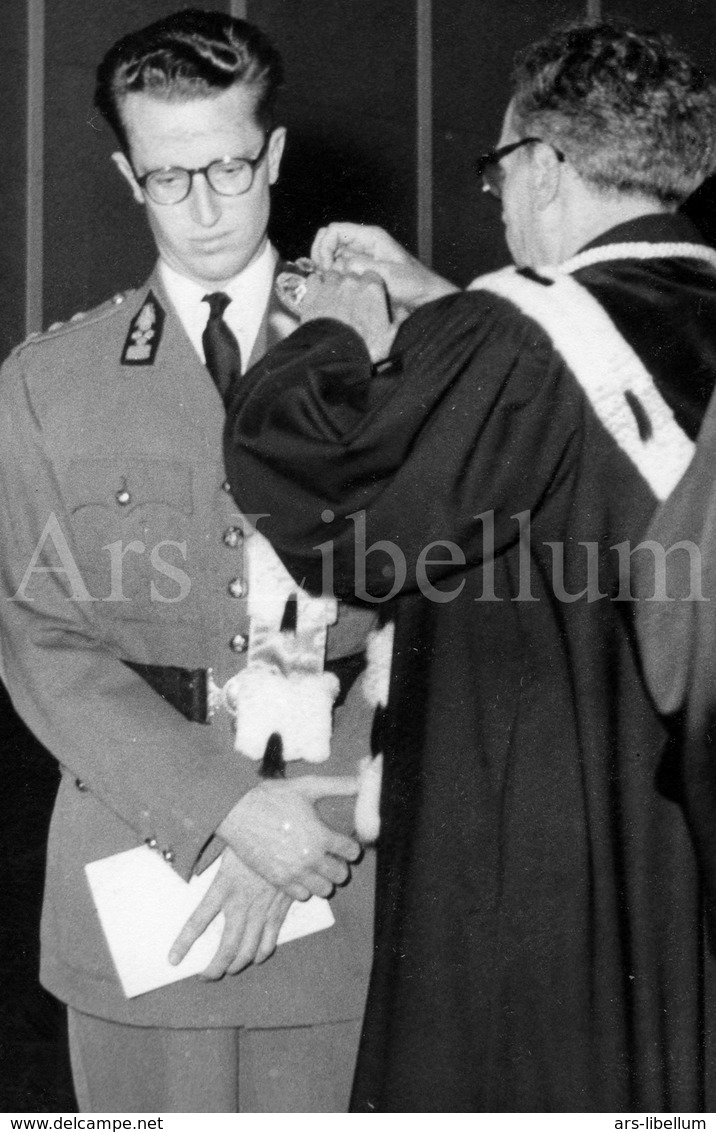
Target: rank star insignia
(145,334)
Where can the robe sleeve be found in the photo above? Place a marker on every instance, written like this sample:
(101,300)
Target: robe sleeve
(474,422)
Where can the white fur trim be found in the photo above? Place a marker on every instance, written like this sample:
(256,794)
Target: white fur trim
(375,687)
(283,689)
(637,250)
(297,706)
(605,366)
(367,812)
(270,585)
(376,678)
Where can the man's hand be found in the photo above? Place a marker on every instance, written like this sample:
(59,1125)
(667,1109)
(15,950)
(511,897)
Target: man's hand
(276,831)
(358,300)
(253,910)
(358,248)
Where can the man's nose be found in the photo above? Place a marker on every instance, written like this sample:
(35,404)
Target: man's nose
(204,203)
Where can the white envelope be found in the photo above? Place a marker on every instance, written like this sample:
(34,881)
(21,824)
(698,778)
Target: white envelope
(143,904)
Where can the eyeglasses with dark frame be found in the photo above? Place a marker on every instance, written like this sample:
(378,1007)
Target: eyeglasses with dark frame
(228,176)
(493,175)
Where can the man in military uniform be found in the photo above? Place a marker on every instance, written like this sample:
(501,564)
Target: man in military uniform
(129,612)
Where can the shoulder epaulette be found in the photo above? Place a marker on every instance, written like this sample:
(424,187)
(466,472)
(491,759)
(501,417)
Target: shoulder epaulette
(81,318)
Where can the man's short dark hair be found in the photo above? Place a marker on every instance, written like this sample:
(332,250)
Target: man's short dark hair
(629,109)
(190,54)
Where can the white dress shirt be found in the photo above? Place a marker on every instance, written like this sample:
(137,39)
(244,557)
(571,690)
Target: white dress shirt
(249,293)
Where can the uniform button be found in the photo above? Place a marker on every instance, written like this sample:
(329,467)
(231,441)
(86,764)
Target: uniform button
(168,855)
(151,842)
(232,537)
(227,487)
(82,786)
(123,497)
(237,588)
(239,643)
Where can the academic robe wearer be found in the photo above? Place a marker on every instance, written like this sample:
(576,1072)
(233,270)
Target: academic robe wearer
(539,939)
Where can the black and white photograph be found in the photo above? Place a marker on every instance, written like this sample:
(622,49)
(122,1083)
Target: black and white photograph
(358,561)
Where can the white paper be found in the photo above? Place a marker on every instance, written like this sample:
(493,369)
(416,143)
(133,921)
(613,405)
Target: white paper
(143,904)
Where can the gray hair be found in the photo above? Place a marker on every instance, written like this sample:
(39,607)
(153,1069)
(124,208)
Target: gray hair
(630,110)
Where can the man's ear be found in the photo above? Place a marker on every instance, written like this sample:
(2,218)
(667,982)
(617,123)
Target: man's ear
(275,153)
(547,174)
(120,160)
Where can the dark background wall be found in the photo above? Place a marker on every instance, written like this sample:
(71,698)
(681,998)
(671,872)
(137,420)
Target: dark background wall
(350,106)
(473,46)
(380,130)
(13,217)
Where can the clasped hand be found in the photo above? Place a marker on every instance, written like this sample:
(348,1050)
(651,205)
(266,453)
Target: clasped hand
(278,850)
(276,831)
(253,914)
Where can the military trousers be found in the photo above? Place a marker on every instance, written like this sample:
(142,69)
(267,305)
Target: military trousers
(143,1069)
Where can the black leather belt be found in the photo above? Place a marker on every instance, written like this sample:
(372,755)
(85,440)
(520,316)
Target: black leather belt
(187,689)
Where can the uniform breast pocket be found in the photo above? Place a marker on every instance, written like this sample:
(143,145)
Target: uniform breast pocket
(131,519)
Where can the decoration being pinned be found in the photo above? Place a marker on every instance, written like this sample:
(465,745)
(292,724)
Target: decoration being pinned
(291,282)
(144,334)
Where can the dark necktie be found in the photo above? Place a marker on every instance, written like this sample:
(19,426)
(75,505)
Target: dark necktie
(221,350)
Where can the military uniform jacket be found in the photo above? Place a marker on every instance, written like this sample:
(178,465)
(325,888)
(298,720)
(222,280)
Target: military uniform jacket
(539,939)
(113,498)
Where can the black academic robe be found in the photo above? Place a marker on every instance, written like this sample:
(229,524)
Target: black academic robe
(539,937)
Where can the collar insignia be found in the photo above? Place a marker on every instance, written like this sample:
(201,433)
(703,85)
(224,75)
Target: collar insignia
(145,334)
